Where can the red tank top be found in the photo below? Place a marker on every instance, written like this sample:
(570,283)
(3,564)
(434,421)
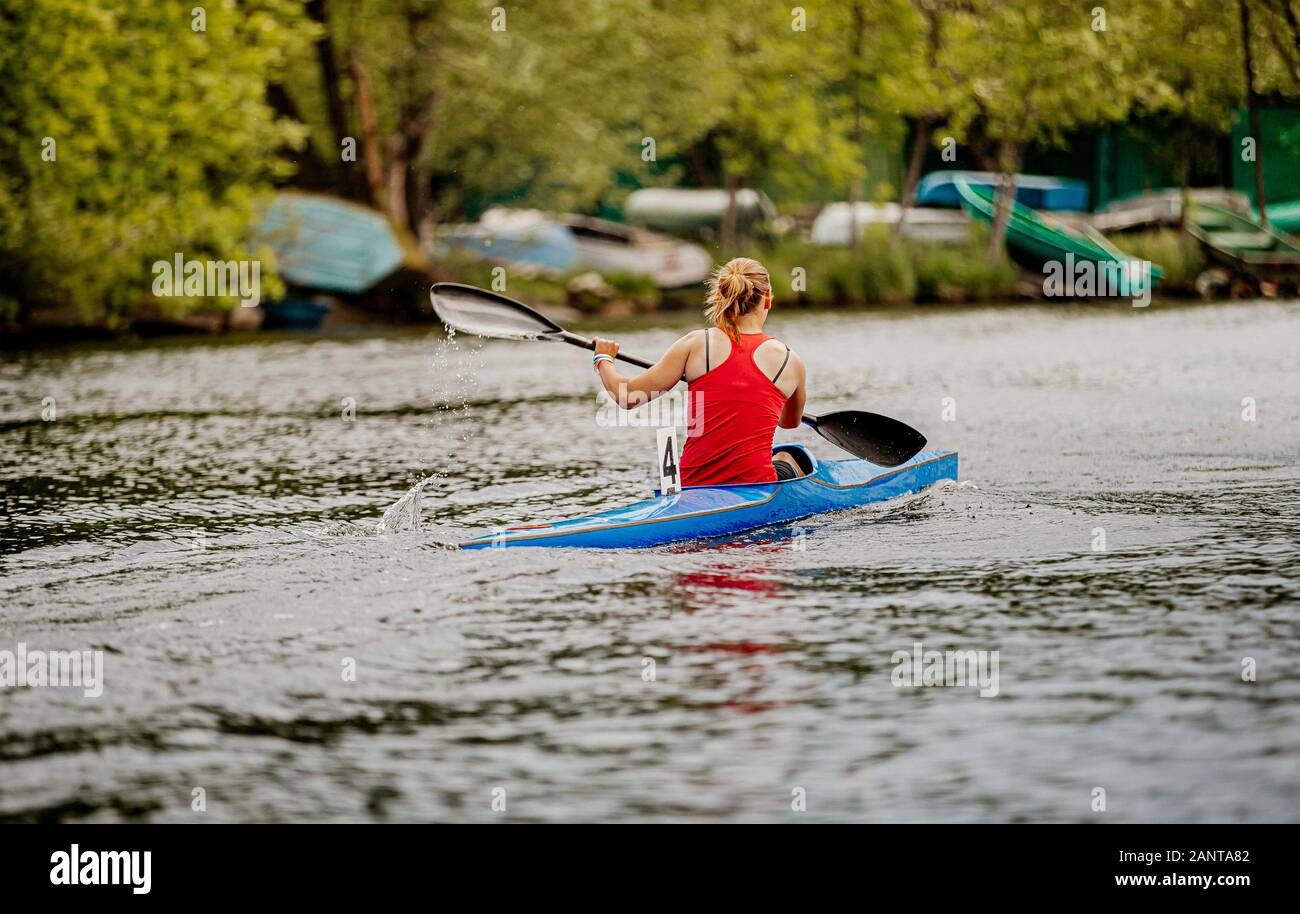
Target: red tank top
(732,412)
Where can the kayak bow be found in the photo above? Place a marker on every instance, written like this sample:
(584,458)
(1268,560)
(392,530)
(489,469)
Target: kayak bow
(698,512)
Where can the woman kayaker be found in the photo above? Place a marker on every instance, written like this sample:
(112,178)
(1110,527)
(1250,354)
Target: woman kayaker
(741,383)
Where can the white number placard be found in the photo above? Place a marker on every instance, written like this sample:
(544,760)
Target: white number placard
(667,467)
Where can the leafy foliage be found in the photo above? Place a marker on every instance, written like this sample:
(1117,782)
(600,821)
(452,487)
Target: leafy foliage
(167,138)
(159,136)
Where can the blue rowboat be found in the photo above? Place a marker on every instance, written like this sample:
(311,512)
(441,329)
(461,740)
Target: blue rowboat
(939,188)
(517,237)
(698,512)
(323,243)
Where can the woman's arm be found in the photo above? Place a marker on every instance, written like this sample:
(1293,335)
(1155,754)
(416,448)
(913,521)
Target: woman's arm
(653,382)
(792,412)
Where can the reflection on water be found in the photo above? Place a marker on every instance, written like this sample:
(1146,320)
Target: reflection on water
(206,516)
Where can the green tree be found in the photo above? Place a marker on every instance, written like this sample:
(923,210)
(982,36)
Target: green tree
(127,136)
(1022,72)
(1263,65)
(873,69)
(1194,60)
(1276,25)
(915,88)
(801,96)
(548,100)
(1191,73)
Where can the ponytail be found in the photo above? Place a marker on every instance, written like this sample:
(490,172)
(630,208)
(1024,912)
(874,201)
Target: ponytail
(737,288)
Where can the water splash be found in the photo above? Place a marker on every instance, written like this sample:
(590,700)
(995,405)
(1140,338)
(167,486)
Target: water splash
(404,515)
(456,374)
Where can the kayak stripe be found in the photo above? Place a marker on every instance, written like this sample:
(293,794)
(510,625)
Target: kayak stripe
(631,523)
(874,479)
(488,539)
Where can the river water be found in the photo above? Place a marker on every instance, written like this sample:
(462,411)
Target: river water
(1126,537)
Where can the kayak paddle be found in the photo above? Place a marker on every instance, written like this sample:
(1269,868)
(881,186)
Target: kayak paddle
(884,441)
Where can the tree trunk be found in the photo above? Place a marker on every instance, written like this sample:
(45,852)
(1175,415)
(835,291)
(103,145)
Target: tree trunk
(416,130)
(372,149)
(730,218)
(914,163)
(933,41)
(1252,100)
(1184,173)
(345,176)
(313,172)
(855,52)
(398,164)
(417,195)
(1009,165)
(854,195)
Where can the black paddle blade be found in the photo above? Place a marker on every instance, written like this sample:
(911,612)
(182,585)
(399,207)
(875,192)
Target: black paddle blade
(479,312)
(884,441)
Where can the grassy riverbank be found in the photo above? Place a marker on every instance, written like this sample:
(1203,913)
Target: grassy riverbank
(881,272)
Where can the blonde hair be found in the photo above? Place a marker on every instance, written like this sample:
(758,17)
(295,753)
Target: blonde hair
(737,288)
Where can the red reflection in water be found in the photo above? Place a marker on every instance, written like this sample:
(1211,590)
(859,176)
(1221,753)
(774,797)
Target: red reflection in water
(712,586)
(720,586)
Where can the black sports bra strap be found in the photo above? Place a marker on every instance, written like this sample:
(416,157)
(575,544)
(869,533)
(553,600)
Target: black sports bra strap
(783,364)
(706,350)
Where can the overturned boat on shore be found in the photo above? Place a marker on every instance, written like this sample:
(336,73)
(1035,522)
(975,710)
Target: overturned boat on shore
(1038,241)
(1245,246)
(561,243)
(837,222)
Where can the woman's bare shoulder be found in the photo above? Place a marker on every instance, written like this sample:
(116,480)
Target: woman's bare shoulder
(687,342)
(773,345)
(774,353)
(691,338)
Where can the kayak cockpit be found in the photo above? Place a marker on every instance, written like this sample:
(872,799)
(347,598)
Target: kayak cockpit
(808,465)
(805,458)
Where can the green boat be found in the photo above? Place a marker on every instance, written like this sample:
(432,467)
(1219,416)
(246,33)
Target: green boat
(1035,240)
(1244,245)
(1285,217)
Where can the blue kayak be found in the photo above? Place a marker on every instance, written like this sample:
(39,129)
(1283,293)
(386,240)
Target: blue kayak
(939,189)
(705,511)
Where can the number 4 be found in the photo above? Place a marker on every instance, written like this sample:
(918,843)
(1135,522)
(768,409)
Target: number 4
(666,465)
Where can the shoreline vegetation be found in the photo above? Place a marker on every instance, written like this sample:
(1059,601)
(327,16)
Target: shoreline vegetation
(881,273)
(346,149)
(674,319)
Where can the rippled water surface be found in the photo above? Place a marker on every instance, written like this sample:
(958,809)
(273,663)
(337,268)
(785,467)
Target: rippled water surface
(204,514)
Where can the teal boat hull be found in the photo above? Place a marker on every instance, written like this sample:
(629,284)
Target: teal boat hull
(1035,240)
(1285,217)
(701,512)
(325,244)
(1244,245)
